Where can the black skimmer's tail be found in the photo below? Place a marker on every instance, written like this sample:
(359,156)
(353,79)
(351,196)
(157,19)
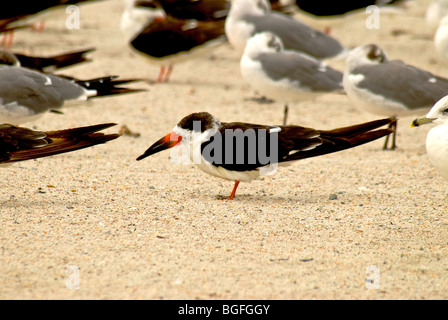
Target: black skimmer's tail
(55,62)
(108,86)
(211,145)
(19,144)
(27,94)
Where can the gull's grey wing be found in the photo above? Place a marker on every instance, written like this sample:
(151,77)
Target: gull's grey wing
(296,35)
(301,70)
(413,87)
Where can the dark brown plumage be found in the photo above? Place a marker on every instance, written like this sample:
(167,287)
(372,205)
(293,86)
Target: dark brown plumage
(19,144)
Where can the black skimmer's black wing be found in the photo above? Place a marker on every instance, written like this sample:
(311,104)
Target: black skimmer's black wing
(19,144)
(168,37)
(24,8)
(196,9)
(53,62)
(336,8)
(240,151)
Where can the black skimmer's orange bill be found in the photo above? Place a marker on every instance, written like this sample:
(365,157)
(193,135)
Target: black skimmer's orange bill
(52,63)
(210,144)
(327,8)
(27,94)
(249,17)
(19,144)
(390,88)
(164,39)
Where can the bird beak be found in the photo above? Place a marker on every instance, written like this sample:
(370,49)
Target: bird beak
(168,141)
(419,121)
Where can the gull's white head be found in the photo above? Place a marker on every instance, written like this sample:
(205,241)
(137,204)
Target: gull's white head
(261,43)
(366,54)
(138,14)
(438,114)
(256,7)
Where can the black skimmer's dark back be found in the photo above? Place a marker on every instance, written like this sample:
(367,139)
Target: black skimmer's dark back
(210,144)
(55,62)
(19,144)
(327,8)
(164,39)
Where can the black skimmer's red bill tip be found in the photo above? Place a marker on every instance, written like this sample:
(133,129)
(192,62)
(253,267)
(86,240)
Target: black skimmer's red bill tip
(168,141)
(240,151)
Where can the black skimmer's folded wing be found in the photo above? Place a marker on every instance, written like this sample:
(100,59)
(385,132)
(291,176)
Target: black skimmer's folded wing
(19,144)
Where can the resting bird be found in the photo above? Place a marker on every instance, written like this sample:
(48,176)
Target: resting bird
(19,144)
(210,144)
(390,88)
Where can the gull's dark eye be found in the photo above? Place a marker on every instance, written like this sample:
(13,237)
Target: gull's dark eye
(274,43)
(375,53)
(445,111)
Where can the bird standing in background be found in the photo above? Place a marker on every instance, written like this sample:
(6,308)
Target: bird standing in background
(390,88)
(288,75)
(163,39)
(248,17)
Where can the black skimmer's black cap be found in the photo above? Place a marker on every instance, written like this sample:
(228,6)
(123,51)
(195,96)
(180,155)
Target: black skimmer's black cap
(19,143)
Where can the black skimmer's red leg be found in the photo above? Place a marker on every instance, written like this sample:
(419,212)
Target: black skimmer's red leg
(210,144)
(232,195)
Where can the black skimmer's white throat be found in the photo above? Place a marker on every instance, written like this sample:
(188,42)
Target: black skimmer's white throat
(390,88)
(165,40)
(202,139)
(437,137)
(248,17)
(286,75)
(19,144)
(26,94)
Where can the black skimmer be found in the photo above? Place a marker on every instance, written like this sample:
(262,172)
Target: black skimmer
(210,144)
(163,39)
(19,144)
(288,75)
(390,88)
(196,9)
(248,17)
(328,8)
(52,63)
(437,137)
(27,94)
(16,11)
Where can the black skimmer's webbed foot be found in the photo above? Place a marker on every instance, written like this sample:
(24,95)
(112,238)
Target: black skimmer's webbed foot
(210,144)
(19,144)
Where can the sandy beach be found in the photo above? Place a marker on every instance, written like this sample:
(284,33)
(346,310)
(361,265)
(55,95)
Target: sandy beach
(321,228)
